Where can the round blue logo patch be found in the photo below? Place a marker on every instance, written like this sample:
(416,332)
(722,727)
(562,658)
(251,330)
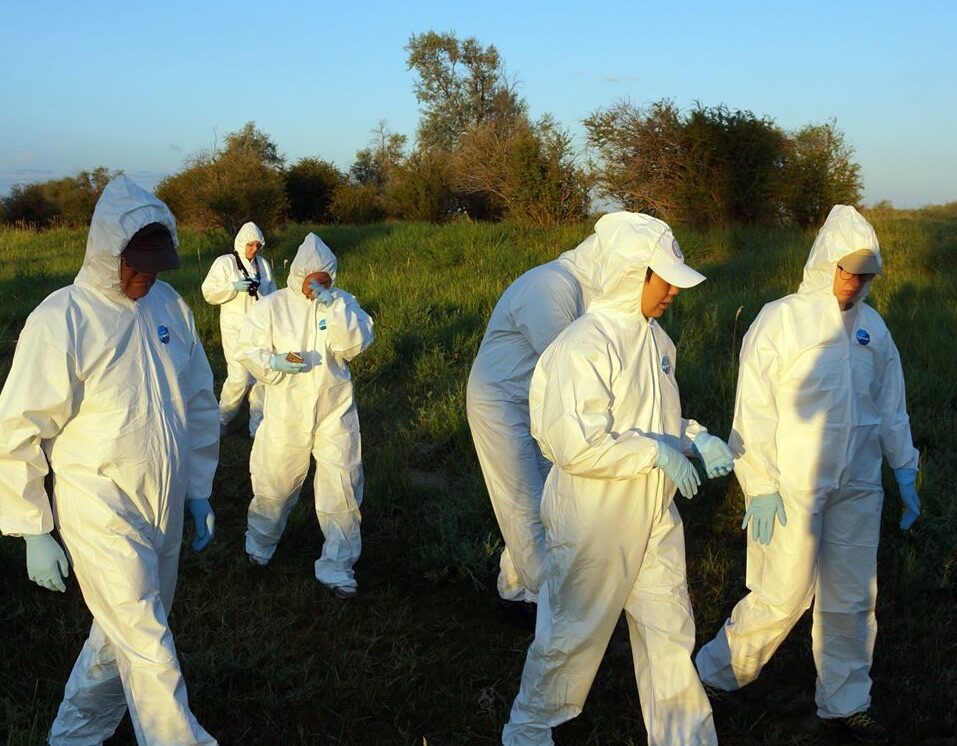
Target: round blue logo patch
(163,334)
(676,250)
(862,337)
(322,325)
(665,365)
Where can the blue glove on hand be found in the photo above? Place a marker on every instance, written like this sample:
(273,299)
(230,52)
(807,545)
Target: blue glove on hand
(47,565)
(320,293)
(715,455)
(279,362)
(205,522)
(242,286)
(907,484)
(679,470)
(761,512)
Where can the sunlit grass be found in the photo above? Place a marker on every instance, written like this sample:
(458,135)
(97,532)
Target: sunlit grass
(270,658)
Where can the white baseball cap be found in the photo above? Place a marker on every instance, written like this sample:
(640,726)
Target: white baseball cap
(668,262)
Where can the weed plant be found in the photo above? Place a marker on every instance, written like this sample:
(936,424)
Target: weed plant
(422,656)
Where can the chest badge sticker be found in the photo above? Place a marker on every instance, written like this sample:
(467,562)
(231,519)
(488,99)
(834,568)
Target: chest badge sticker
(665,365)
(163,333)
(863,338)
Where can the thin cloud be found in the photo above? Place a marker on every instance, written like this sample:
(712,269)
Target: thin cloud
(608,78)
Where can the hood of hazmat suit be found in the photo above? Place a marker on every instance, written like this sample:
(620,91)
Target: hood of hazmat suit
(602,397)
(826,386)
(218,286)
(115,395)
(326,336)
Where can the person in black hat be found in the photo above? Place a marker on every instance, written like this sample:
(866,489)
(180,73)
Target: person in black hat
(110,390)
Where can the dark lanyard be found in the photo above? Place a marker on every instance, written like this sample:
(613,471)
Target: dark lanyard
(242,268)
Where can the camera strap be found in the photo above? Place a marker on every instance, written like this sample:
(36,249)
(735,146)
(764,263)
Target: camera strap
(242,268)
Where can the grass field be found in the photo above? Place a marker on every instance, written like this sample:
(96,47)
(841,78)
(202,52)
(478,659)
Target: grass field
(271,658)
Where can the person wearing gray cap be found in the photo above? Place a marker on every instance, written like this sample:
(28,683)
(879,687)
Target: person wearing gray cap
(820,401)
(111,395)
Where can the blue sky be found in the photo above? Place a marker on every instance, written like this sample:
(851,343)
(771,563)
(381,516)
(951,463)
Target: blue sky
(141,86)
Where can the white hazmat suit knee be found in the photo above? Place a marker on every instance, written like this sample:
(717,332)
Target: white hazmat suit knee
(312,412)
(603,396)
(218,290)
(116,396)
(820,400)
(528,316)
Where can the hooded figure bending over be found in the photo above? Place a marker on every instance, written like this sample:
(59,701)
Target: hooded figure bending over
(298,342)
(110,386)
(528,316)
(605,409)
(820,401)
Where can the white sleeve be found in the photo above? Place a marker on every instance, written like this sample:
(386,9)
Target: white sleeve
(36,403)
(349,327)
(254,345)
(895,435)
(267,281)
(570,405)
(753,436)
(218,285)
(202,420)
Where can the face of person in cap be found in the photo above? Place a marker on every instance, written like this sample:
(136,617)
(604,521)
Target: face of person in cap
(149,252)
(252,248)
(656,296)
(851,276)
(133,283)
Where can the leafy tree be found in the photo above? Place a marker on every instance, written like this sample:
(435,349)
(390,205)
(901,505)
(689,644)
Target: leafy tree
(523,171)
(29,205)
(642,164)
(461,84)
(76,196)
(820,173)
(226,188)
(374,163)
(68,201)
(310,186)
(419,188)
(356,204)
(713,166)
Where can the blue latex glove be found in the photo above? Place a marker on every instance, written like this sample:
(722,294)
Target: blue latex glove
(242,286)
(907,484)
(715,455)
(279,362)
(320,293)
(679,470)
(205,522)
(47,565)
(761,512)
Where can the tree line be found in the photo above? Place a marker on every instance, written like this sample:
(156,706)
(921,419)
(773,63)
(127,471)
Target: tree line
(477,154)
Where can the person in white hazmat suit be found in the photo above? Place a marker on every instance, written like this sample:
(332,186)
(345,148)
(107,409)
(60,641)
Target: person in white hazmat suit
(235,281)
(528,316)
(605,409)
(820,401)
(309,409)
(111,388)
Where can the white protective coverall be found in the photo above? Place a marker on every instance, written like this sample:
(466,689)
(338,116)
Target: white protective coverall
(816,408)
(128,425)
(233,305)
(528,316)
(312,412)
(602,396)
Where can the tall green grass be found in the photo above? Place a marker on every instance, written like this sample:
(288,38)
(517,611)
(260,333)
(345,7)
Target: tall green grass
(270,658)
